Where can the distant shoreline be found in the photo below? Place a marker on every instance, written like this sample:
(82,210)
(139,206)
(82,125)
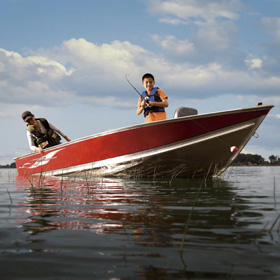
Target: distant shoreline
(12,165)
(251,164)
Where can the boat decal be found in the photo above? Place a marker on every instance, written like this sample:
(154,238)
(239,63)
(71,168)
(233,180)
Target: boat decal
(42,160)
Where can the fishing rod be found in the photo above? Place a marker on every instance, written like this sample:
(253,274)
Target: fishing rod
(147,99)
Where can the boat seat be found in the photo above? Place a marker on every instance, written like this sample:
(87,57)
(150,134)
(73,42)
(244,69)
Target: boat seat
(184,111)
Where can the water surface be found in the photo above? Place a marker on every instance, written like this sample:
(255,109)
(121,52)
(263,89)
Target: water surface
(108,228)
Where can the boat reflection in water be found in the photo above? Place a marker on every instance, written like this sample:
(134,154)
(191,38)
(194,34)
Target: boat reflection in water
(150,210)
(145,222)
(103,205)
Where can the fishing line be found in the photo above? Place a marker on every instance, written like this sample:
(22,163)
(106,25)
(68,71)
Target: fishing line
(206,130)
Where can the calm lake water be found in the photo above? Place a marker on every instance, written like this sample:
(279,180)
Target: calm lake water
(94,228)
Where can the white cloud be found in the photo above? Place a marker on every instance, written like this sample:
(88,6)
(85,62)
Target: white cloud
(40,64)
(173,45)
(119,55)
(207,11)
(31,79)
(173,21)
(254,63)
(97,74)
(214,79)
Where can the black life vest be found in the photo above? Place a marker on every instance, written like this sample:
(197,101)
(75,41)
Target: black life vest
(154,97)
(45,140)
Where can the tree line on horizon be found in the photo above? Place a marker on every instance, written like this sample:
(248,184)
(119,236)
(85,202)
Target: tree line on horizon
(254,159)
(12,165)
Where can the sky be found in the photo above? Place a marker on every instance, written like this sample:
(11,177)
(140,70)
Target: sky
(67,61)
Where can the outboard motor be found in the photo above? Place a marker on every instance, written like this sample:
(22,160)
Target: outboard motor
(184,111)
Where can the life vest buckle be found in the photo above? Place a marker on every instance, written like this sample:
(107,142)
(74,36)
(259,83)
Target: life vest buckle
(44,144)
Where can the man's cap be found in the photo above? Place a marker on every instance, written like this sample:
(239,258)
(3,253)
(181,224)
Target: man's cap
(27,115)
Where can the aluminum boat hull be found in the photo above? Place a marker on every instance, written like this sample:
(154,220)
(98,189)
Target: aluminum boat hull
(190,146)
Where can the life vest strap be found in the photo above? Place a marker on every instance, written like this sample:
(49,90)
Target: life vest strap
(154,97)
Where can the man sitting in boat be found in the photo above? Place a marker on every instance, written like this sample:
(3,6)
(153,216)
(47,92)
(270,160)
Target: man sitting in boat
(152,101)
(41,134)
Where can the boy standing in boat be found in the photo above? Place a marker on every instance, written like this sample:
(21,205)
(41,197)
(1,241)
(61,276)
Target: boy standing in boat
(152,101)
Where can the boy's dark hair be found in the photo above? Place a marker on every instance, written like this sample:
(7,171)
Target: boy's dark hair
(146,76)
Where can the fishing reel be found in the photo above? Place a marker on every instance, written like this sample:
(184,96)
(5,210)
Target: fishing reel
(147,99)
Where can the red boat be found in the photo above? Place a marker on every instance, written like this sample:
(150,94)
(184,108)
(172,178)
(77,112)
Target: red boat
(189,145)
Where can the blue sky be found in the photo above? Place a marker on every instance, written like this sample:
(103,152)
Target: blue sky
(66,61)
